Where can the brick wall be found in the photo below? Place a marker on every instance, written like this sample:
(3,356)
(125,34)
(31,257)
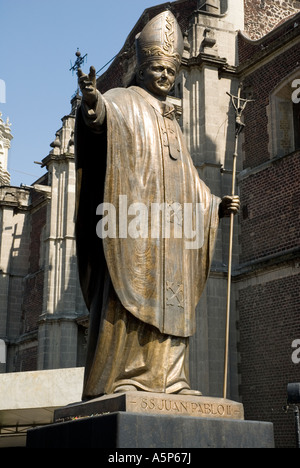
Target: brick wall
(268,294)
(26,360)
(270,210)
(262,82)
(269,322)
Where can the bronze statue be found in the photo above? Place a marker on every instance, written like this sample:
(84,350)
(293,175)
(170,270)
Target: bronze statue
(140,285)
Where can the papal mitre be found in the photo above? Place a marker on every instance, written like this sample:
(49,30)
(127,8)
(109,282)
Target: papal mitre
(160,38)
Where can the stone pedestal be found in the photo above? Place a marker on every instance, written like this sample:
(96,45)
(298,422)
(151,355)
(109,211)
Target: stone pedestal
(151,420)
(153,403)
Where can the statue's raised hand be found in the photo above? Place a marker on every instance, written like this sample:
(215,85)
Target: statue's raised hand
(88,86)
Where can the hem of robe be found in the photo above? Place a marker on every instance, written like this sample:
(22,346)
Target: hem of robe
(131,352)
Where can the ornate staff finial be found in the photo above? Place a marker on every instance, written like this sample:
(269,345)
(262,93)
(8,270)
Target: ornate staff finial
(239,105)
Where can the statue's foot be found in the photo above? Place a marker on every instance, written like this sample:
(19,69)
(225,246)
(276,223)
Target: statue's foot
(188,391)
(125,388)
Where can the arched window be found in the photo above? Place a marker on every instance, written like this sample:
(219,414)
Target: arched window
(284,117)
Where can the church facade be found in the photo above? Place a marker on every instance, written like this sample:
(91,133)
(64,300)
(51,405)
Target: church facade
(43,319)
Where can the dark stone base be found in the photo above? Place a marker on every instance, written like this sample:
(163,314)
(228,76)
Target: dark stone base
(134,430)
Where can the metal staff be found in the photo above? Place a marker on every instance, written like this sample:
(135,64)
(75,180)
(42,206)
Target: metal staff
(239,105)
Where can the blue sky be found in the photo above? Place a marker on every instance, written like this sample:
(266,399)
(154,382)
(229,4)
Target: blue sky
(38,40)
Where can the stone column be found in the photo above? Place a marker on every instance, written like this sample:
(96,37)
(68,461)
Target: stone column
(62,301)
(210,6)
(14,253)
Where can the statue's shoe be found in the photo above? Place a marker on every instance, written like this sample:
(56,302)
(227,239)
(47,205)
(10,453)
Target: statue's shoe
(189,392)
(132,388)
(125,388)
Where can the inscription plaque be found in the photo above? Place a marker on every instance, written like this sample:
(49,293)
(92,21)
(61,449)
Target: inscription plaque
(155,403)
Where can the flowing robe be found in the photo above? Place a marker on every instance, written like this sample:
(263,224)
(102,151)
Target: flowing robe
(141,284)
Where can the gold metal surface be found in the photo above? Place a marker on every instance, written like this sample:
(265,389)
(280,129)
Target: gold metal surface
(141,286)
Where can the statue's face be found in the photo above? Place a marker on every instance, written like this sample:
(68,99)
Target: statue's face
(158,77)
